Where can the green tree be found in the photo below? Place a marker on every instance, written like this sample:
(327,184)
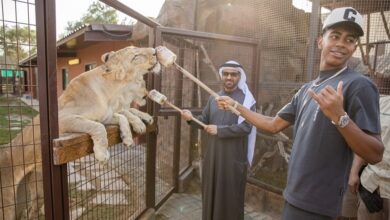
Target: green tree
(16,43)
(98,13)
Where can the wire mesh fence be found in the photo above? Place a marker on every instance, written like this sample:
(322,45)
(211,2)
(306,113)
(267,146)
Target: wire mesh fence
(95,191)
(282,31)
(200,54)
(372,55)
(277,62)
(117,189)
(201,57)
(21,182)
(287,33)
(164,158)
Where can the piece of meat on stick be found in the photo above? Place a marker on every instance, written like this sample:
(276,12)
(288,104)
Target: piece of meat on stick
(161,99)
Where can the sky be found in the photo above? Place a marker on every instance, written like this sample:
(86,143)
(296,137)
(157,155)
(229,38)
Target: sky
(73,10)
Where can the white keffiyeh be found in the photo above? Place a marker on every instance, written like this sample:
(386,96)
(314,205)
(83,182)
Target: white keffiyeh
(249,101)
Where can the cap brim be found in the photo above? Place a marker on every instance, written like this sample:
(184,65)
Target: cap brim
(355,26)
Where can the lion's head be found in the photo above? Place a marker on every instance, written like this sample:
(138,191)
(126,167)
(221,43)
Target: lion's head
(124,63)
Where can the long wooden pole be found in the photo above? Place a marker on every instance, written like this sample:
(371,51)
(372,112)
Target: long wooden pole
(161,99)
(179,110)
(201,84)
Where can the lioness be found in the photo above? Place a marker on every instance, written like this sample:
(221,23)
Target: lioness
(89,100)
(94,98)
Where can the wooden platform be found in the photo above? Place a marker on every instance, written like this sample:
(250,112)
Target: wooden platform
(70,147)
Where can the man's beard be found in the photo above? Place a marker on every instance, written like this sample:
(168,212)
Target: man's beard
(230,85)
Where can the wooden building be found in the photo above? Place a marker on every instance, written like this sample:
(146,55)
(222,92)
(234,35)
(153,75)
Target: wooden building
(78,52)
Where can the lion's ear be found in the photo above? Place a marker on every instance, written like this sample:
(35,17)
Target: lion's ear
(106,56)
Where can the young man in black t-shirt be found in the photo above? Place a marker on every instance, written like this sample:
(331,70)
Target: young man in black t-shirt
(334,116)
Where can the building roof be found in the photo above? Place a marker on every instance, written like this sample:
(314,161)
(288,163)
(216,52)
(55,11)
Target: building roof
(84,37)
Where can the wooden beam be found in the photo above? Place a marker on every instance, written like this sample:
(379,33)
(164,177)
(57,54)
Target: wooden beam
(209,62)
(365,57)
(130,12)
(72,146)
(385,24)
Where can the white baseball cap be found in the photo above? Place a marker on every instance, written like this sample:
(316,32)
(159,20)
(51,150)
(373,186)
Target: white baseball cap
(346,15)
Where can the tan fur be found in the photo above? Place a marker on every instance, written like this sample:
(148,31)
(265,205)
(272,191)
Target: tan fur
(94,98)
(134,93)
(91,99)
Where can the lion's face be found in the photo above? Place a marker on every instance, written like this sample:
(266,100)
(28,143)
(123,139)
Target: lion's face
(128,61)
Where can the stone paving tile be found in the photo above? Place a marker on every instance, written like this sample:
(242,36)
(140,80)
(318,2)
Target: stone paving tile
(188,206)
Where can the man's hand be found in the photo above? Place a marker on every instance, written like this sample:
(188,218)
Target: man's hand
(353,182)
(211,129)
(224,102)
(330,101)
(186,115)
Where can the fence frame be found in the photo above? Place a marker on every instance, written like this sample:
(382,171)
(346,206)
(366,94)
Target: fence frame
(55,191)
(55,179)
(55,176)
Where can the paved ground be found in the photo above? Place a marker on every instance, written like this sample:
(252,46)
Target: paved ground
(188,206)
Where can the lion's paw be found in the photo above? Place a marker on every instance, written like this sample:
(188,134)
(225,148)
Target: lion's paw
(101,154)
(139,128)
(127,141)
(147,119)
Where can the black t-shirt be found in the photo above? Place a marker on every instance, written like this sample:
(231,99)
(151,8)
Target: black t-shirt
(320,159)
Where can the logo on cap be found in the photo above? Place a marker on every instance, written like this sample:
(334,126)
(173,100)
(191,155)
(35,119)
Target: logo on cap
(348,16)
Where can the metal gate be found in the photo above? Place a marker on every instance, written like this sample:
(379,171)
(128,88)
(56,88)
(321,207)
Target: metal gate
(200,53)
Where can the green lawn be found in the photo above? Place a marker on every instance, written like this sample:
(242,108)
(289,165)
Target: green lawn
(14,115)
